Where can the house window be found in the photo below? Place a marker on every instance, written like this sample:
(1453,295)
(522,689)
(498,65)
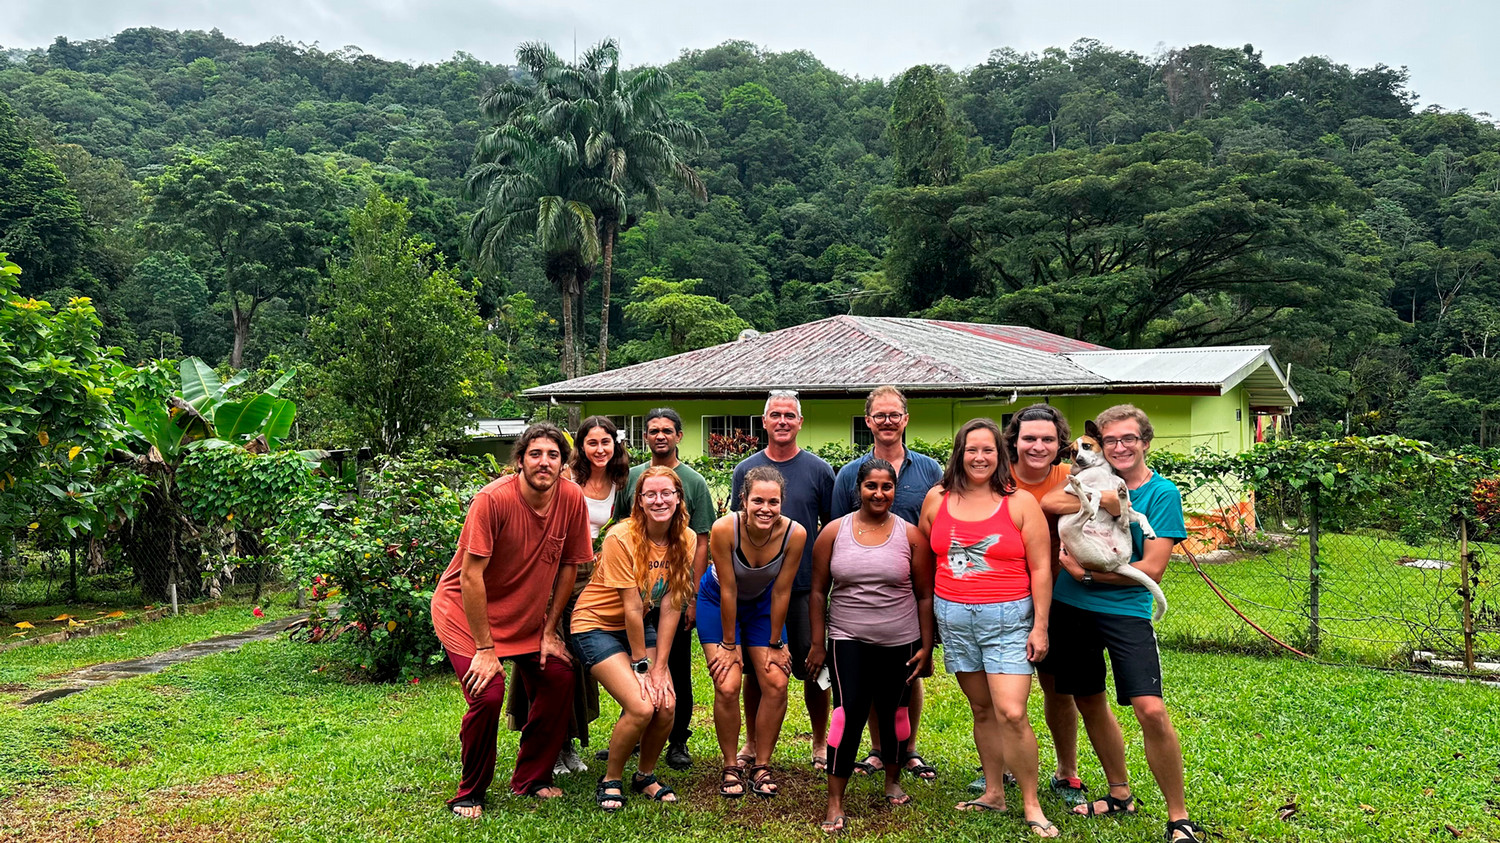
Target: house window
(631,425)
(733,434)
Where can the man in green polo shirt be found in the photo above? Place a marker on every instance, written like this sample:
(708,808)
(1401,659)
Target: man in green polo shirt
(663,435)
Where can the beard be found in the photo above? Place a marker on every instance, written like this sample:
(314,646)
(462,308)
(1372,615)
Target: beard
(538,480)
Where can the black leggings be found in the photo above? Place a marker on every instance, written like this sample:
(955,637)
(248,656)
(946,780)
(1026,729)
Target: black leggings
(865,674)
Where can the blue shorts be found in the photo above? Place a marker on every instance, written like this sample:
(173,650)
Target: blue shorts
(595,645)
(752,618)
(984,637)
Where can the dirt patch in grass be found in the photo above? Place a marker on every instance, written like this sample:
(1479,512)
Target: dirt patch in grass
(57,815)
(802,799)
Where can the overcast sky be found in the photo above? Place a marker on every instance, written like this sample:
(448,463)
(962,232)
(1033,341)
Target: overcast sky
(1446,44)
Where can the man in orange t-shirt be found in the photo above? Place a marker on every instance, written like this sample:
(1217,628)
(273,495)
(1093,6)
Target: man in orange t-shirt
(501,598)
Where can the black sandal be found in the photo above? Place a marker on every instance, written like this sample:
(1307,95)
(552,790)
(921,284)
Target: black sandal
(602,794)
(732,777)
(466,802)
(865,768)
(924,771)
(639,783)
(1114,805)
(762,783)
(1194,832)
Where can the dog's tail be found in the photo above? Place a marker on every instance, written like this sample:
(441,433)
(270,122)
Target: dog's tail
(1151,585)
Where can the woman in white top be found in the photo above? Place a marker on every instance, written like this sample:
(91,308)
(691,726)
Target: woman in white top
(600,465)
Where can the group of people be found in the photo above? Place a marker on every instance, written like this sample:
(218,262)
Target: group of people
(843,581)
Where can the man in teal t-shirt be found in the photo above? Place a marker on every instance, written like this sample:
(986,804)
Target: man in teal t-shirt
(663,435)
(1095,612)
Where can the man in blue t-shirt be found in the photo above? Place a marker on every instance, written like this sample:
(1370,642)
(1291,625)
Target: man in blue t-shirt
(886,416)
(808,498)
(1093,612)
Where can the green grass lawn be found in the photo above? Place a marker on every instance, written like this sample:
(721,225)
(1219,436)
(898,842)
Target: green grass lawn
(1373,609)
(278,742)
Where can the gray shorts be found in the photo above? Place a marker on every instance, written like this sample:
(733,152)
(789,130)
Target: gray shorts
(984,637)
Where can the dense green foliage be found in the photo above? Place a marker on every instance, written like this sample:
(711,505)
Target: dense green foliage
(1199,196)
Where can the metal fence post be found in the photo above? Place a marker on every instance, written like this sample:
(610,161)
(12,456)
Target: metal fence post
(1314,574)
(1465,591)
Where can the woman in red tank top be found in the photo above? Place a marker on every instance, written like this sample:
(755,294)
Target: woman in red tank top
(993,596)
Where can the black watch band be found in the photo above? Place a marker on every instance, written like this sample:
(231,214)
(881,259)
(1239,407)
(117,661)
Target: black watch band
(777,645)
(642,665)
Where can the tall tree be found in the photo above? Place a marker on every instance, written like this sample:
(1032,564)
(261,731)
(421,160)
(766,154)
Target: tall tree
(532,184)
(926,144)
(256,221)
(400,349)
(40,220)
(620,123)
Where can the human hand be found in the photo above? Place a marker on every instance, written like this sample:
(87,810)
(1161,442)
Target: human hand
(1037,644)
(1109,501)
(920,665)
(659,681)
(1071,565)
(721,660)
(690,615)
(553,647)
(816,655)
(484,667)
(780,658)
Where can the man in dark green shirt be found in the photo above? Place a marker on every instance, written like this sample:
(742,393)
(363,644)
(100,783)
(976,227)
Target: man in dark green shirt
(663,435)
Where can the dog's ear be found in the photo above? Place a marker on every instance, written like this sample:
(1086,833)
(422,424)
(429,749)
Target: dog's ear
(1068,452)
(1092,430)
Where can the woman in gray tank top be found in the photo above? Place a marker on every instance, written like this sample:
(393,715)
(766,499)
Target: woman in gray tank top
(742,604)
(879,625)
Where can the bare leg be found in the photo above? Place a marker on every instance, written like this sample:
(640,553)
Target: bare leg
(986,737)
(727,713)
(1163,753)
(1009,691)
(752,708)
(772,709)
(1109,744)
(617,677)
(1062,722)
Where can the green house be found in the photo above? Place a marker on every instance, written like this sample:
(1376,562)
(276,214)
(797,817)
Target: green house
(1221,397)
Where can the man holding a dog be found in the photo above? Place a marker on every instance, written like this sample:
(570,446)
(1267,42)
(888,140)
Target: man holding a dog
(1094,612)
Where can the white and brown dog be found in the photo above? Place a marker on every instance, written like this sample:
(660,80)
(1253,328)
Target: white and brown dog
(1097,540)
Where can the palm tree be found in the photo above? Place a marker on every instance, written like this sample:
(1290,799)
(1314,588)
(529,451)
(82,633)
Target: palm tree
(531,183)
(620,125)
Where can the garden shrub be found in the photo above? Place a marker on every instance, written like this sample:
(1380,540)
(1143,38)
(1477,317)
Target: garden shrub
(378,554)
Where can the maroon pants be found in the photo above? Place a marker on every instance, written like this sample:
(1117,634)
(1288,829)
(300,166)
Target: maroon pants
(551,691)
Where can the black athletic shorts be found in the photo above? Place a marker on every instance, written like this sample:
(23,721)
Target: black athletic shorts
(1075,658)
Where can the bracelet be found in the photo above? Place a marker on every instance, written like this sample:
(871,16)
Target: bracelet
(478,649)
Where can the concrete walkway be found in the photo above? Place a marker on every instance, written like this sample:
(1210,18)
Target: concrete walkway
(103,674)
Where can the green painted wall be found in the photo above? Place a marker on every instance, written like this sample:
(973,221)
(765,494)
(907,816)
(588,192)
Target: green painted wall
(1182,422)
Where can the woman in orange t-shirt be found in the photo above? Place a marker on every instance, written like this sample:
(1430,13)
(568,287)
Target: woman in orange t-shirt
(646,561)
(1036,440)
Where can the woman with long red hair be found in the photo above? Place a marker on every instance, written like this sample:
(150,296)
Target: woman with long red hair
(646,561)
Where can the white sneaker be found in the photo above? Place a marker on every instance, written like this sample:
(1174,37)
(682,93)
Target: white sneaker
(575,761)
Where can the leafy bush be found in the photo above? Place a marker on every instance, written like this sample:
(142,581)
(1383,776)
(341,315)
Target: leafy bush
(379,555)
(1487,506)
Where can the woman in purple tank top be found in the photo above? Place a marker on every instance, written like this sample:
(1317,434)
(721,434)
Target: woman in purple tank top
(872,601)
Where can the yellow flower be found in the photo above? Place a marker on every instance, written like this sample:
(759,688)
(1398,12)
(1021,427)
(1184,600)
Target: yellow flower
(367,556)
(74,451)
(229,517)
(356,520)
(42,438)
(33,525)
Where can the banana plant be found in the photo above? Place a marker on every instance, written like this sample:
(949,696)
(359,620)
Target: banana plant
(203,415)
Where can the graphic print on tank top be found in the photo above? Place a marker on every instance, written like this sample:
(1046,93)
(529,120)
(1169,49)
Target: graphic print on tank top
(966,559)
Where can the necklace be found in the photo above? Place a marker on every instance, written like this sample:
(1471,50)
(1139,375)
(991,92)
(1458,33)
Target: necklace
(655,542)
(762,543)
(858,531)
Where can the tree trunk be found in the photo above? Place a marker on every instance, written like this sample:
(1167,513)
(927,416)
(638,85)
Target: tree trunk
(241,320)
(568,354)
(611,229)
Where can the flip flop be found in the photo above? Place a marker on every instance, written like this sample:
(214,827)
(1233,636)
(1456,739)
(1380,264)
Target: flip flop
(833,826)
(820,764)
(1040,829)
(903,799)
(976,805)
(466,802)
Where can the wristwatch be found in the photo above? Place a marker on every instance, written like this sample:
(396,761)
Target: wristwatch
(1088,578)
(642,666)
(777,645)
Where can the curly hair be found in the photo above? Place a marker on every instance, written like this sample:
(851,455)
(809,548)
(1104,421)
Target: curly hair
(681,541)
(1121,412)
(1037,412)
(540,430)
(953,475)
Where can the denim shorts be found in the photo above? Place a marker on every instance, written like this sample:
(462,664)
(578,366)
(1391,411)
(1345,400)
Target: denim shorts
(984,637)
(595,645)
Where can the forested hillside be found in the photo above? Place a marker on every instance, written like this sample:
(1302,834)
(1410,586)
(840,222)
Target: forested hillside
(199,190)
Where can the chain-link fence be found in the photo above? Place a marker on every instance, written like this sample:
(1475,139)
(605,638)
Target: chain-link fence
(1395,580)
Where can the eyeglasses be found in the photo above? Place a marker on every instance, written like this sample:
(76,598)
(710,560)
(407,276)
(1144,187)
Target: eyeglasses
(886,418)
(1129,440)
(663,495)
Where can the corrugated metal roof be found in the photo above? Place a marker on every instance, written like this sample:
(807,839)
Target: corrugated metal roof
(1224,367)
(849,355)
(843,354)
